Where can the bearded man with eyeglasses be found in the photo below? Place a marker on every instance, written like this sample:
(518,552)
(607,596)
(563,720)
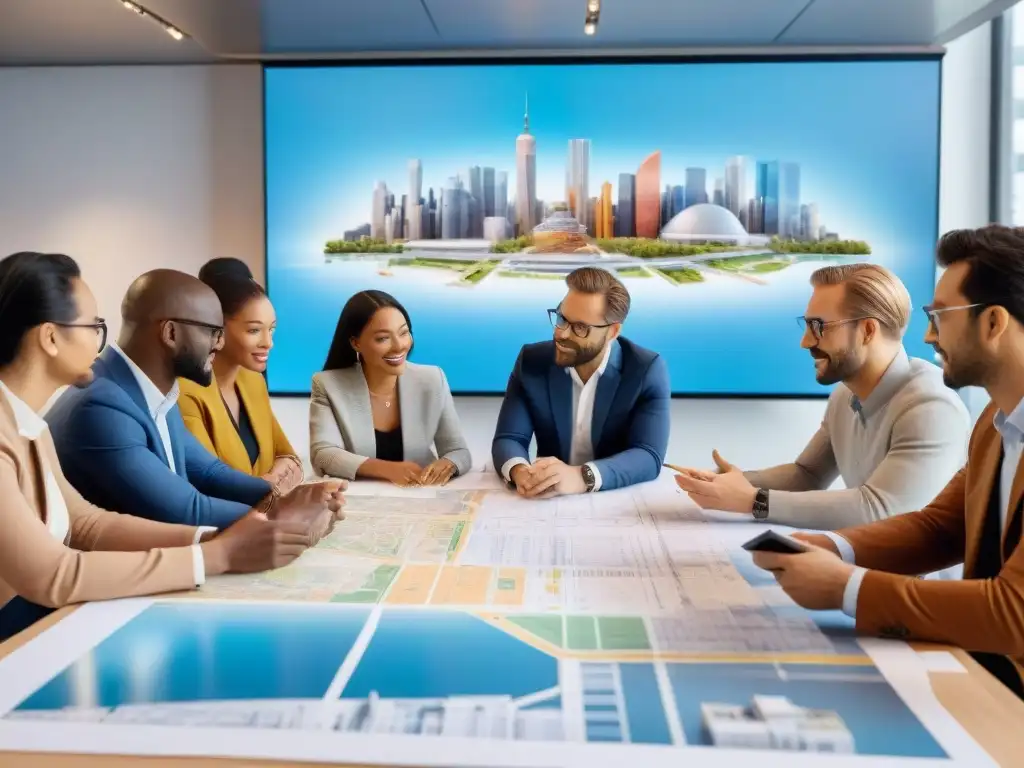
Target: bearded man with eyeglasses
(892,430)
(597,403)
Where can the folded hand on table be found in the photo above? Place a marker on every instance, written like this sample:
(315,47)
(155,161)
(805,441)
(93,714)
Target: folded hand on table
(285,474)
(546,477)
(726,490)
(318,505)
(437,472)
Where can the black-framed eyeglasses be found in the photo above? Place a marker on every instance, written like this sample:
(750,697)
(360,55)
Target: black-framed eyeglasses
(216,331)
(933,313)
(100,326)
(817,326)
(582,330)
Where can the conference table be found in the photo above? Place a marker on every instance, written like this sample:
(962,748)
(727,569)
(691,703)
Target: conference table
(987,711)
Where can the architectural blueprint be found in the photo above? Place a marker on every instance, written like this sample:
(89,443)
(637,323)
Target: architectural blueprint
(468,626)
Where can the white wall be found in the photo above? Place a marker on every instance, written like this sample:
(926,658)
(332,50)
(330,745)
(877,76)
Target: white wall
(966,139)
(132,168)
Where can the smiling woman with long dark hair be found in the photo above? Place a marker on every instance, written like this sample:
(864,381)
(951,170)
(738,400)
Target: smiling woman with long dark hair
(376,415)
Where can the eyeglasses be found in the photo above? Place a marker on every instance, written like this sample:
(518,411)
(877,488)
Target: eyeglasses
(817,326)
(582,330)
(100,326)
(933,313)
(216,331)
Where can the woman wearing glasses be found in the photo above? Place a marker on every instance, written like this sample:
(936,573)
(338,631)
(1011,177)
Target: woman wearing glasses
(55,548)
(231,416)
(375,415)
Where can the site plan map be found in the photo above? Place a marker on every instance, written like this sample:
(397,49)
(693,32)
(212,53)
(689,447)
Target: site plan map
(467,626)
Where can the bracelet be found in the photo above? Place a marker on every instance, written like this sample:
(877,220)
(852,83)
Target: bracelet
(268,502)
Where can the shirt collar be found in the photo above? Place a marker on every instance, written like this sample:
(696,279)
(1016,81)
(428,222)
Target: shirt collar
(1012,426)
(30,424)
(892,381)
(600,369)
(157,402)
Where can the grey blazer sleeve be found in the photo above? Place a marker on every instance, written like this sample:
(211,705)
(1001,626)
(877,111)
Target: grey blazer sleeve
(448,440)
(326,451)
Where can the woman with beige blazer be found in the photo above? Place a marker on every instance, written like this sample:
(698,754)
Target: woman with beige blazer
(56,548)
(375,415)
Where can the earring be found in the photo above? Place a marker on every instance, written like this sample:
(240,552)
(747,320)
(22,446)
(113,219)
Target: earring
(358,359)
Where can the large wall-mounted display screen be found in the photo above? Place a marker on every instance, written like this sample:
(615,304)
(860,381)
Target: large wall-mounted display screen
(713,190)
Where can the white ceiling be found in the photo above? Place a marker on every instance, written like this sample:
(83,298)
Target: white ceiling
(104,32)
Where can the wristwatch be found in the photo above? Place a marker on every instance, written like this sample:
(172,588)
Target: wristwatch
(760,509)
(588,477)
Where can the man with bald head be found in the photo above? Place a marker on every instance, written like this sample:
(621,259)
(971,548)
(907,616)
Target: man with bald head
(122,442)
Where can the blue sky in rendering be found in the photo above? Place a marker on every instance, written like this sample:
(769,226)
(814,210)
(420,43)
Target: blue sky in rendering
(864,133)
(334,132)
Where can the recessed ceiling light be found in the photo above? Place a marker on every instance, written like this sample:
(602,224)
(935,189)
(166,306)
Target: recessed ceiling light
(590,28)
(169,28)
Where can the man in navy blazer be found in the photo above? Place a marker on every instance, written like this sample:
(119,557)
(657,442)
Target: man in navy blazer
(597,403)
(121,440)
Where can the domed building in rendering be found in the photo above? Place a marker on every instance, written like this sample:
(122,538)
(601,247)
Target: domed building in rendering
(706,222)
(561,232)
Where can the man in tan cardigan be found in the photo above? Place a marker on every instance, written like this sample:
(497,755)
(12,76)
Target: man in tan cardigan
(57,549)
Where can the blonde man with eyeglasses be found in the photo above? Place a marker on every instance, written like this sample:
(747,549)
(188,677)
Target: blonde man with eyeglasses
(893,431)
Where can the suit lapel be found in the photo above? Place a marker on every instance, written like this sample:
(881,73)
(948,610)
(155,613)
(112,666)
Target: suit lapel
(117,370)
(1013,511)
(261,427)
(985,483)
(607,386)
(560,392)
(176,429)
(356,397)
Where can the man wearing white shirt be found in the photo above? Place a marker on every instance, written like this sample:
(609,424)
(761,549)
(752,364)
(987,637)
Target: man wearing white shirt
(122,440)
(55,548)
(870,571)
(597,403)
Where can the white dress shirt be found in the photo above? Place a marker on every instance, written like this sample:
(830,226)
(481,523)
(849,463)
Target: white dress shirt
(1011,430)
(581,451)
(158,403)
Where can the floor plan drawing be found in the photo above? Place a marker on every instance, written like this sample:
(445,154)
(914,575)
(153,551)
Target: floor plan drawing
(623,626)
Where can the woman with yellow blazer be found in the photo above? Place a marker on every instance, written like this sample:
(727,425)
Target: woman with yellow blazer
(232,416)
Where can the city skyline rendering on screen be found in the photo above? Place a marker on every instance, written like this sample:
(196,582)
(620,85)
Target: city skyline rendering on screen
(713,190)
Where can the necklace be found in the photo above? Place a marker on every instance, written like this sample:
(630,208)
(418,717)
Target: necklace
(385,398)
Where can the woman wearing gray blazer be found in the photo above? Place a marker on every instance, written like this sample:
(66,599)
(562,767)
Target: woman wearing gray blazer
(375,415)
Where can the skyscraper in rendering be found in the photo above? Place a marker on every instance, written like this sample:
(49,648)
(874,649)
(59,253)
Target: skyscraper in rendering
(624,223)
(736,193)
(501,194)
(415,182)
(648,196)
(380,210)
(696,186)
(526,178)
(577,192)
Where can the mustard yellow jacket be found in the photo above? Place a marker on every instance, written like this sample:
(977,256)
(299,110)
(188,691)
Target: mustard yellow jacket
(208,419)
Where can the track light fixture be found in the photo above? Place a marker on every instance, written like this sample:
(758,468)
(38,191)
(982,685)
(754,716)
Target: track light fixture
(169,28)
(593,14)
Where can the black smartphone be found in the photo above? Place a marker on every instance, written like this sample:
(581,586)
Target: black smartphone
(770,541)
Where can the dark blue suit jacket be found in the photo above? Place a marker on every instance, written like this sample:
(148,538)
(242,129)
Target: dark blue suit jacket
(631,413)
(111,452)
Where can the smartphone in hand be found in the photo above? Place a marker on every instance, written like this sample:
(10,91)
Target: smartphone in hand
(770,541)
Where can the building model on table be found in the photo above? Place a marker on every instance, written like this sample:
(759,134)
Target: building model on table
(774,722)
